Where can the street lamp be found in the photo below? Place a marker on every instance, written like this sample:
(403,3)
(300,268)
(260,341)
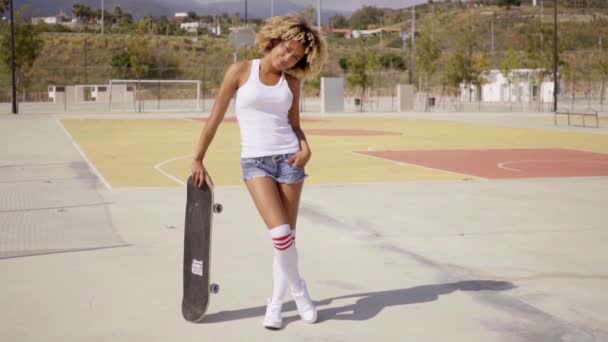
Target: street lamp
(102,17)
(555,81)
(13,76)
(319,14)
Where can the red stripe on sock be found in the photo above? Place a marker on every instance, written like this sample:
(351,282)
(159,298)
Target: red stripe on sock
(282,238)
(283,244)
(284,248)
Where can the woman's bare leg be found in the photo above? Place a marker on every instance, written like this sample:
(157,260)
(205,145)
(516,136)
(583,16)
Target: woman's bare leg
(278,205)
(290,193)
(268,201)
(290,196)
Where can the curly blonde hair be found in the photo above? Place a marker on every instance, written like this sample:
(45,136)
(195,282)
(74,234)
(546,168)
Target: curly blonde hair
(294,27)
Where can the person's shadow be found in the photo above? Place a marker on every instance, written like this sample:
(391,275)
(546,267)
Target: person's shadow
(368,304)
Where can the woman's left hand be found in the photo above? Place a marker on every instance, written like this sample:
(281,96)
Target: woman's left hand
(300,158)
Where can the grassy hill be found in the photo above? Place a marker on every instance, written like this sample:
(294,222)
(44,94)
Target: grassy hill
(179,57)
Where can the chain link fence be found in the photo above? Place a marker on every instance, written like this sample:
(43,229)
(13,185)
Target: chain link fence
(77,89)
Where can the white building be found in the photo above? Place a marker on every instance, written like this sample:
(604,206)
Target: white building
(48,20)
(518,88)
(374,32)
(190,27)
(181,15)
(52,20)
(79,93)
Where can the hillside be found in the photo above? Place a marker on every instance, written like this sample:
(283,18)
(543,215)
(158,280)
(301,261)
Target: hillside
(63,58)
(157,8)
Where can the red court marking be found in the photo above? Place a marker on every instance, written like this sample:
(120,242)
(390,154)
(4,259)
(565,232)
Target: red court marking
(347,132)
(233,119)
(512,163)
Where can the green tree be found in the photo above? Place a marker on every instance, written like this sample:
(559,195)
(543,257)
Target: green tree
(140,56)
(361,65)
(481,72)
(392,61)
(428,53)
(343,63)
(338,21)
(309,13)
(77,10)
(82,12)
(136,60)
(601,66)
(539,53)
(28,46)
(312,86)
(125,22)
(117,13)
(366,16)
(510,63)
(192,16)
(509,3)
(467,66)
(4,5)
(461,67)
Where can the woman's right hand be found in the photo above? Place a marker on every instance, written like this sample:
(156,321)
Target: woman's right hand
(200,175)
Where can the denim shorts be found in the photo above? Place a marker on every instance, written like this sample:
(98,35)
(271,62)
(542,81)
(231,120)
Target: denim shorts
(275,167)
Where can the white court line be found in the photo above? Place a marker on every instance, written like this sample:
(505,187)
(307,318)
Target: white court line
(416,165)
(84,156)
(502,165)
(158,167)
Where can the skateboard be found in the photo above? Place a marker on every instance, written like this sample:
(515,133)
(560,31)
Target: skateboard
(197,251)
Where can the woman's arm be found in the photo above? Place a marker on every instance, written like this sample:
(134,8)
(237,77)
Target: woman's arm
(228,87)
(302,157)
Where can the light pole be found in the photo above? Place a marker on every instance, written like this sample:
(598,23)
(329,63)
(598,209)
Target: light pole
(492,40)
(542,38)
(412,68)
(86,76)
(492,19)
(555,81)
(102,17)
(13,71)
(319,14)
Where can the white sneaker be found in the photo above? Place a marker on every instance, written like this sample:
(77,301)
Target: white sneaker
(306,308)
(273,319)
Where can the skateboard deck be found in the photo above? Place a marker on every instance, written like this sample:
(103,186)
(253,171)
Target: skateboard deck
(197,251)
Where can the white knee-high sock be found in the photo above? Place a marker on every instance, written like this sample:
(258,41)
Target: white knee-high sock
(285,264)
(280,283)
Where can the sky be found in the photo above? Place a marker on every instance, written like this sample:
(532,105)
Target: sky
(348,5)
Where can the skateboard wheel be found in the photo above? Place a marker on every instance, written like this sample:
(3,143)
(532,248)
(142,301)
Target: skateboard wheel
(214,288)
(218,208)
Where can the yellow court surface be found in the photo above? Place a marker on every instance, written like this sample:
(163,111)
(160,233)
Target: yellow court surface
(157,152)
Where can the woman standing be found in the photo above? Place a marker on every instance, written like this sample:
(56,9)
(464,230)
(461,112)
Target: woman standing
(274,149)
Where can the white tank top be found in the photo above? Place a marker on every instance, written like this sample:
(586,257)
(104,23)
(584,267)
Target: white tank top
(262,114)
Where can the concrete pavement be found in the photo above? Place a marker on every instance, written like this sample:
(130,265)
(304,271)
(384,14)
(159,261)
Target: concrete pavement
(478,260)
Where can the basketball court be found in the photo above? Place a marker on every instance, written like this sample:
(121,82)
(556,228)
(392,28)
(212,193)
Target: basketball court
(157,152)
(422,227)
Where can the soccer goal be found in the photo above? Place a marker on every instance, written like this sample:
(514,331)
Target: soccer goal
(155,95)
